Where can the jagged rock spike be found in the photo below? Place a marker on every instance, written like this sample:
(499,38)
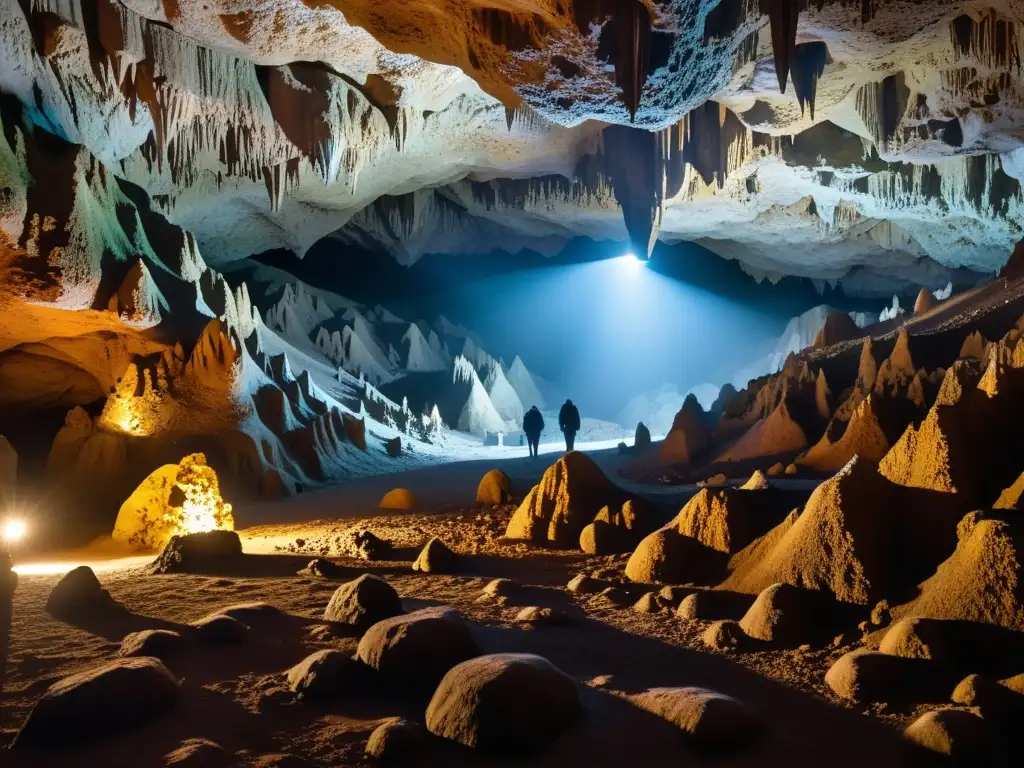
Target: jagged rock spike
(808,65)
(784,16)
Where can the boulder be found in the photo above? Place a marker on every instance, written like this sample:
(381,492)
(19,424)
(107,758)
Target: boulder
(961,735)
(363,602)
(157,643)
(541,616)
(508,704)
(257,614)
(399,499)
(649,603)
(393,447)
(784,615)
(218,629)
(642,438)
(917,638)
(776,469)
(710,720)
(501,588)
(585,584)
(209,552)
(435,557)
(417,649)
(616,597)
(673,595)
(366,545)
(200,753)
(397,739)
(570,494)
(78,595)
(100,702)
(865,676)
(717,480)
(321,568)
(324,674)
(724,635)
(712,604)
(495,488)
(666,556)
(601,538)
(994,700)
(175,499)
(792,469)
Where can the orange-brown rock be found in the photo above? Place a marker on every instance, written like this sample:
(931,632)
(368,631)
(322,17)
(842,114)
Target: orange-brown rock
(925,302)
(822,396)
(569,496)
(838,327)
(974,346)
(689,437)
(1011,496)
(864,437)
(775,435)
(867,368)
(897,370)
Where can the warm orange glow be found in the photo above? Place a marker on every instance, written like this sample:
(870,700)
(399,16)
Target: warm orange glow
(203,508)
(14,530)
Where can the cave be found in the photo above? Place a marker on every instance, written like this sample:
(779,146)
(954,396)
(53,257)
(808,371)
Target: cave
(591,382)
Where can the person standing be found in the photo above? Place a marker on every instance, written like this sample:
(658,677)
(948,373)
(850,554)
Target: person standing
(533,425)
(569,423)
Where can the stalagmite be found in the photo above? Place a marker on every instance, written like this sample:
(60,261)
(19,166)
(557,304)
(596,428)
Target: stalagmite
(808,65)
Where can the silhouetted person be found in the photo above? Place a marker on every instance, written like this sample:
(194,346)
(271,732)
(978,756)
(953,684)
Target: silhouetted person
(569,423)
(533,425)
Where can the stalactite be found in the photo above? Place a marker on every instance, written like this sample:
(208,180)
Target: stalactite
(715,142)
(883,105)
(632,164)
(630,46)
(992,40)
(784,16)
(808,65)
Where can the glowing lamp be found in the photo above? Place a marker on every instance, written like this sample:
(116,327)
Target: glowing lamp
(630,263)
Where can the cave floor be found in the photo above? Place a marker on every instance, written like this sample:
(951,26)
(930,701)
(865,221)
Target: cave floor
(237,697)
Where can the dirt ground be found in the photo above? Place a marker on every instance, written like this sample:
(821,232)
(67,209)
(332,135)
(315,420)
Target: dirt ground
(237,698)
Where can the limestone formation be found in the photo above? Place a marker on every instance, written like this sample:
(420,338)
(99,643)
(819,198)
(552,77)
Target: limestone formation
(569,496)
(838,327)
(495,488)
(100,702)
(925,302)
(689,438)
(508,704)
(175,499)
(642,437)
(435,557)
(400,499)
(363,602)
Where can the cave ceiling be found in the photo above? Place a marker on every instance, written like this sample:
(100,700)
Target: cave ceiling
(856,140)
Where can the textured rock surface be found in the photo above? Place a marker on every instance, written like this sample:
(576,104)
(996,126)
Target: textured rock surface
(363,602)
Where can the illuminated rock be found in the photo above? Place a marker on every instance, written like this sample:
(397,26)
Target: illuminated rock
(399,499)
(495,488)
(175,499)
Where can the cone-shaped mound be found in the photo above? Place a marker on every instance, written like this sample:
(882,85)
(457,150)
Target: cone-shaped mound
(838,327)
(982,580)
(775,435)
(757,482)
(841,542)
(864,437)
(895,373)
(569,496)
(925,302)
(689,436)
(728,519)
(867,368)
(974,346)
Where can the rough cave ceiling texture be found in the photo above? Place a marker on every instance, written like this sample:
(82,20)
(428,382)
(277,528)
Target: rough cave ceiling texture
(875,140)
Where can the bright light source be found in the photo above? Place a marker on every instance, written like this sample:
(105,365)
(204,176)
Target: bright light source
(630,262)
(14,530)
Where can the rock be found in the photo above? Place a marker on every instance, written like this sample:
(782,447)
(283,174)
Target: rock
(542,616)
(322,568)
(157,643)
(393,447)
(584,584)
(689,438)
(728,519)
(495,488)
(719,479)
(959,734)
(600,538)
(710,720)
(868,676)
(417,649)
(256,614)
(792,469)
(200,753)
(175,500)
(510,704)
(994,700)
(783,615)
(649,603)
(757,482)
(880,614)
(673,596)
(623,449)
(863,437)
(363,602)
(208,552)
(366,545)
(570,494)
(711,604)
(100,703)
(397,739)
(501,588)
(666,556)
(925,302)
(78,594)
(218,629)
(838,327)
(776,469)
(917,638)
(435,557)
(724,635)
(616,596)
(642,438)
(324,674)
(399,499)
